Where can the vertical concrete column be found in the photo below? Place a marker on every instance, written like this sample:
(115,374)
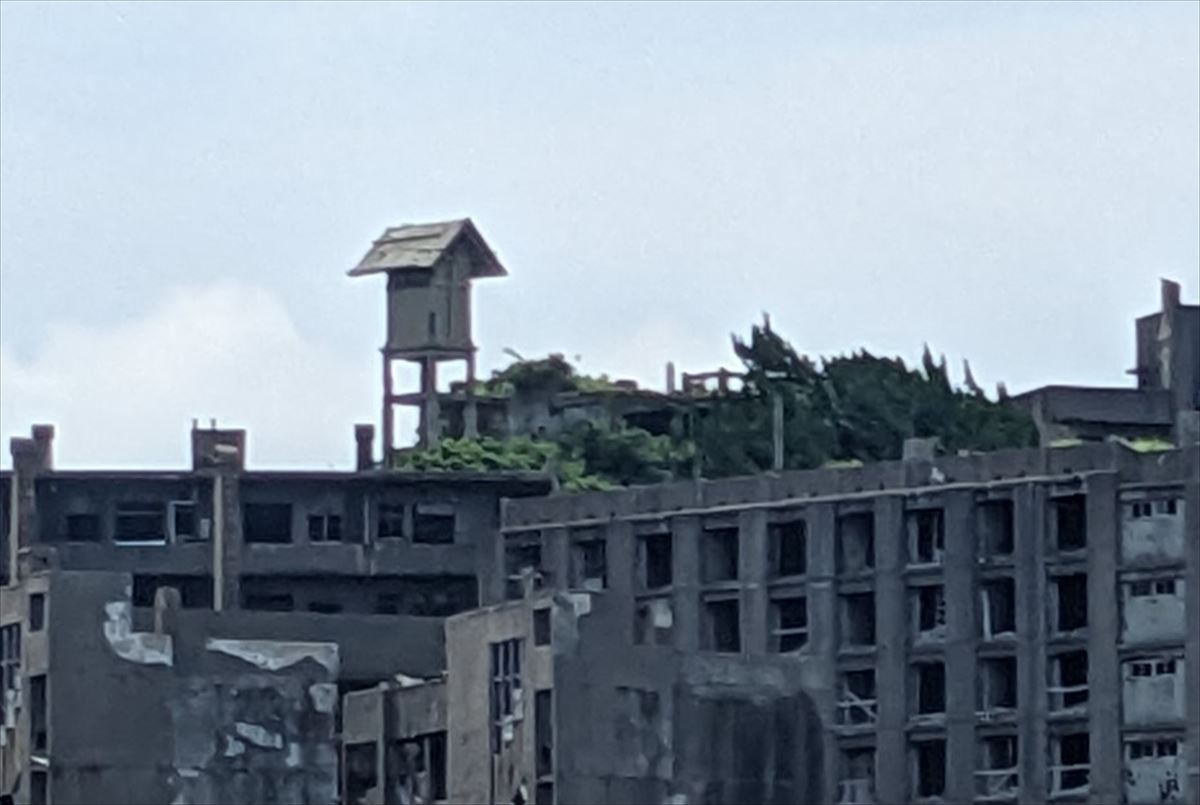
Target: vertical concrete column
(752,571)
(961,671)
(1029,552)
(491,541)
(1191,523)
(891,640)
(430,416)
(621,551)
(556,557)
(30,458)
(685,573)
(227,540)
(1104,667)
(388,424)
(823,634)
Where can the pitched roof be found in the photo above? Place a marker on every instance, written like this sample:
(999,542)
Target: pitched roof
(410,246)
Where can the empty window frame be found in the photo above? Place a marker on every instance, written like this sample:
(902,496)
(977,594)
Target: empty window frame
(522,558)
(856,781)
(10,672)
(1151,587)
(39,787)
(543,733)
(654,622)
(82,528)
(929,688)
(928,613)
(589,562)
(433,524)
(324,607)
(1164,507)
(855,542)
(1068,680)
(37,612)
(140,523)
(1070,762)
(926,536)
(38,720)
(324,528)
(788,547)
(391,521)
(184,526)
(267,522)
(997,773)
(997,608)
(929,767)
(506,691)
(1156,666)
(858,619)
(1136,750)
(997,687)
(416,769)
(268,602)
(1071,602)
(654,560)
(361,769)
(720,560)
(1070,522)
(723,630)
(995,529)
(789,623)
(857,698)
(541,626)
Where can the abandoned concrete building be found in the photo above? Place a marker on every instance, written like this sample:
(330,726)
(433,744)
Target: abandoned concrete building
(1012,626)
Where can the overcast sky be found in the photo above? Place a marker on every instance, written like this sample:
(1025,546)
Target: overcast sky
(183,187)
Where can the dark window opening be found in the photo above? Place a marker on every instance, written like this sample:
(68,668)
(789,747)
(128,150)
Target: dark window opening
(931,688)
(724,626)
(541,627)
(83,528)
(998,613)
(195,592)
(931,768)
(858,619)
(140,522)
(998,684)
(857,703)
(543,732)
(183,521)
(789,547)
(521,559)
(1072,602)
(10,664)
(545,793)
(1070,517)
(416,769)
(931,611)
(38,723)
(994,521)
(391,521)
(361,772)
(387,604)
(429,597)
(927,538)
(281,602)
(39,787)
(1074,756)
(433,325)
(790,623)
(433,525)
(655,550)
(720,554)
(1072,679)
(324,607)
(856,542)
(268,522)
(37,612)
(589,564)
(505,690)
(324,528)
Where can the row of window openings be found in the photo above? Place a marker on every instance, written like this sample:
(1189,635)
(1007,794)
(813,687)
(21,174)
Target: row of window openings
(142,523)
(997,769)
(414,768)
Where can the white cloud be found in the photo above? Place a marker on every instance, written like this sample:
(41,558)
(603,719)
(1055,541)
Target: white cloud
(126,395)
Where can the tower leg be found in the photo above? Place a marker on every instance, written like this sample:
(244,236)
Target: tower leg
(470,414)
(388,424)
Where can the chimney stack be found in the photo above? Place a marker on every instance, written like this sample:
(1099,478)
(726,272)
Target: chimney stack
(364,440)
(1170,295)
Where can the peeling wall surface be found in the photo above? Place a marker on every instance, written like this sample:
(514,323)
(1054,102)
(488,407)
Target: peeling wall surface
(1155,780)
(1154,617)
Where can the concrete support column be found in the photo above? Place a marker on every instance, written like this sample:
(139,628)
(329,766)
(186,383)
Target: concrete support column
(621,551)
(685,572)
(891,640)
(388,424)
(1029,549)
(961,671)
(1191,495)
(1104,628)
(31,457)
(822,634)
(430,416)
(753,573)
(556,557)
(227,541)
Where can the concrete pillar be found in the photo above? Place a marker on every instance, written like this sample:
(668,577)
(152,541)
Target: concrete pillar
(388,423)
(227,540)
(685,572)
(31,457)
(621,551)
(1104,629)
(1191,493)
(961,671)
(752,571)
(822,634)
(1029,549)
(430,417)
(364,447)
(556,557)
(891,640)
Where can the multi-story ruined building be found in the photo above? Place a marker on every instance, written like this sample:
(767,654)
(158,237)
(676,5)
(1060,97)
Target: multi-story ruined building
(1012,626)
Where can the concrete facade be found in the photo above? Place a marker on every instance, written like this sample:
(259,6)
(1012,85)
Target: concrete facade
(1012,626)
